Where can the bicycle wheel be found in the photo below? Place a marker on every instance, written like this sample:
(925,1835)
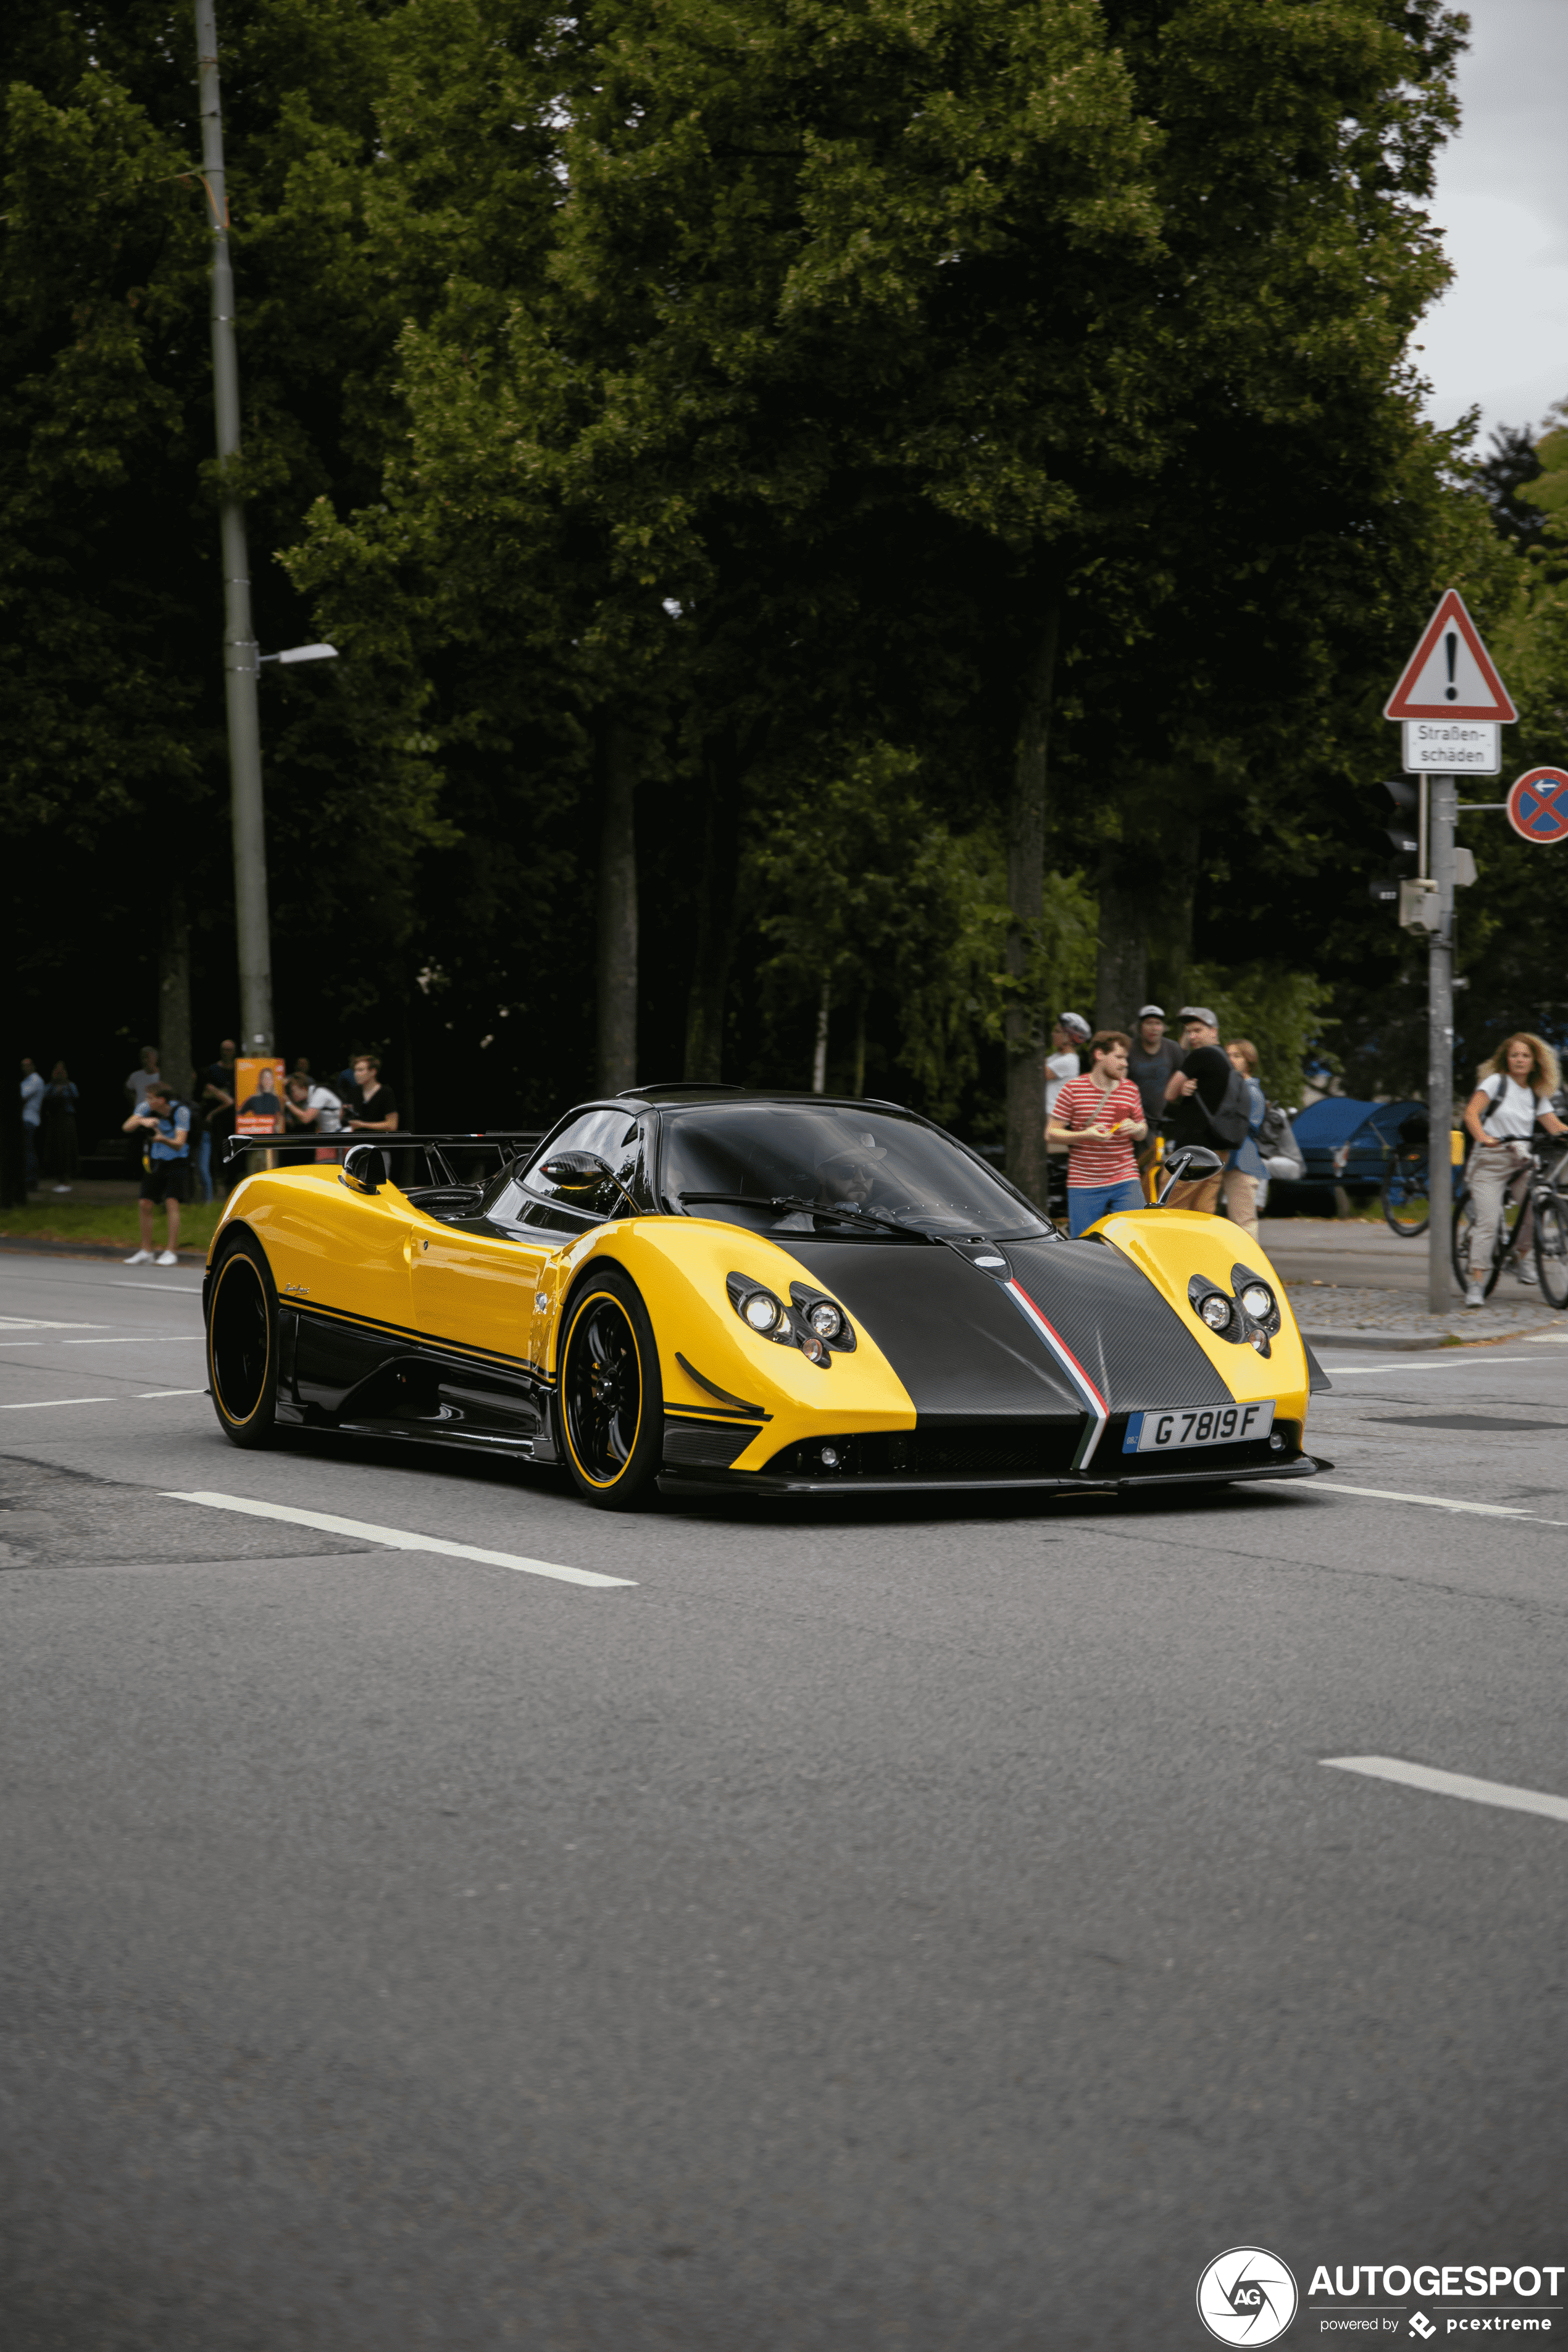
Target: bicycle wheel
(1464,1227)
(1551,1247)
(1406,1207)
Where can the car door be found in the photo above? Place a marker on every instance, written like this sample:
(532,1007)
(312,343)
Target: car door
(476,1289)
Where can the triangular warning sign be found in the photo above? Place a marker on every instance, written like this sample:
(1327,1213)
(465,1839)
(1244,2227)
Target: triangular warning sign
(1450,674)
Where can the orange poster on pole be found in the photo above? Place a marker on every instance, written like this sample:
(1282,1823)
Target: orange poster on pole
(258,1096)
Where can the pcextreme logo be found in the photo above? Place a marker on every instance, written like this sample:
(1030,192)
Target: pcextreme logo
(1247,2296)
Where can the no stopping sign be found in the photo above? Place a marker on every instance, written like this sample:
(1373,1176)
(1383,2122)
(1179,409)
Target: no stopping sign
(1538,805)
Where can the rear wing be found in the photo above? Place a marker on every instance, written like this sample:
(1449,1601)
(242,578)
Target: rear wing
(494,1149)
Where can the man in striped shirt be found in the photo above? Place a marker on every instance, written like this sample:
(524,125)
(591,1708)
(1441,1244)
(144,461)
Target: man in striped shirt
(1098,1118)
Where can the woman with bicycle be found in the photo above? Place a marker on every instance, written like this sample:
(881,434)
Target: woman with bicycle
(1515,1090)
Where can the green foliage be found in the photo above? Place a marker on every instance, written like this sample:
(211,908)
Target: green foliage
(1284,1013)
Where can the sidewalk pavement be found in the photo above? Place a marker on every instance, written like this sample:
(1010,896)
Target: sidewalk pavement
(1359,1285)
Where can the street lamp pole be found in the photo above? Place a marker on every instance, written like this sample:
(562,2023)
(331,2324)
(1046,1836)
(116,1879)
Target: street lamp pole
(239,646)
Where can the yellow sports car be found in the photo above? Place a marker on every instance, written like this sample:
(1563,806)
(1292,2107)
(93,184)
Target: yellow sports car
(773,1293)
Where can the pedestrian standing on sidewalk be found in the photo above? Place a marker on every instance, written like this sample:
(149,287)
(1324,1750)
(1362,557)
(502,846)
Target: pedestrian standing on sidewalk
(1515,1090)
(1068,1037)
(164,1126)
(1097,1119)
(1152,1064)
(1244,1171)
(32,1111)
(1192,1097)
(61,1101)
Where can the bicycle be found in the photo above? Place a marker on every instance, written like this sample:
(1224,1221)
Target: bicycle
(1406,1190)
(1534,1191)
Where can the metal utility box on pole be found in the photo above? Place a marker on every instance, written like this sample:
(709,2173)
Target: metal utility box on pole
(239,646)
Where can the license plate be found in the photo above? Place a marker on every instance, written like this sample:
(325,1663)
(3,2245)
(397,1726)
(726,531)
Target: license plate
(1202,1424)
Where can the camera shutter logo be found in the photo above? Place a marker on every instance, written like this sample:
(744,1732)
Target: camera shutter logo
(1247,2296)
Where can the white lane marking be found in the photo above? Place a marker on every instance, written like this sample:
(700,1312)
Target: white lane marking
(1403,1364)
(1452,1784)
(397,1538)
(42,1405)
(143,1394)
(21,1343)
(143,1340)
(1433,1502)
(191,1289)
(1547,1339)
(43,1323)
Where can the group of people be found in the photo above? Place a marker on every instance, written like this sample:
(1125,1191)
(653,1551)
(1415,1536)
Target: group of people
(176,1128)
(48,1125)
(178,1136)
(1109,1122)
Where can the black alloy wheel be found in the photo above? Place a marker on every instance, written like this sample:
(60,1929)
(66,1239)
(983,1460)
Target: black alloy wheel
(612,1399)
(242,1344)
(1551,1247)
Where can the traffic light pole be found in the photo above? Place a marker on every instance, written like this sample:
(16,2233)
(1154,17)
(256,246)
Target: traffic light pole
(239,646)
(1438,798)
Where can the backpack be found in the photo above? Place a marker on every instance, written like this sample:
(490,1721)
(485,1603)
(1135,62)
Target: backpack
(1276,1138)
(1233,1120)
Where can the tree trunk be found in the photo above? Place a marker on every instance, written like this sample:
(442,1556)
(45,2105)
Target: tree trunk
(1122,971)
(1025,901)
(716,918)
(617,975)
(176,1061)
(819,1058)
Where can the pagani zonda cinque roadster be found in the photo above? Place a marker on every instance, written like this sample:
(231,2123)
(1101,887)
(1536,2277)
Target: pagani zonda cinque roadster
(776,1294)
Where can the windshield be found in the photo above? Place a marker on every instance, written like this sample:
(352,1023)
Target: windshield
(878,1170)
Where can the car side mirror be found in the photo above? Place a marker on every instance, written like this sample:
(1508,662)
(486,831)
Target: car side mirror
(1185,1166)
(364,1169)
(576,1171)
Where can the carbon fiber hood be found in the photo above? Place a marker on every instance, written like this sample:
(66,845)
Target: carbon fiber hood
(958,1342)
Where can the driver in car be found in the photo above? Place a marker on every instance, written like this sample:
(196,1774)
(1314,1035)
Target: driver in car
(847,1180)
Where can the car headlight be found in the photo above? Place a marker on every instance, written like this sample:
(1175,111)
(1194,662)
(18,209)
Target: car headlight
(826,1320)
(1258,1301)
(1215,1311)
(762,1311)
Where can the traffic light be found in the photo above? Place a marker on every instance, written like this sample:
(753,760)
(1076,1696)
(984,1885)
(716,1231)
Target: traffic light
(1403,835)
(1403,885)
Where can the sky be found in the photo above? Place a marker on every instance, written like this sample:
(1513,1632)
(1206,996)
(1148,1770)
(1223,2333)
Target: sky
(1500,336)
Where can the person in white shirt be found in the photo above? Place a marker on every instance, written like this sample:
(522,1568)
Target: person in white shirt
(1515,1090)
(1070,1033)
(312,1106)
(141,1079)
(32,1112)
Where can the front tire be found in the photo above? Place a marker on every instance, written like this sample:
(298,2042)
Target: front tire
(1551,1250)
(612,1398)
(242,1344)
(1407,1209)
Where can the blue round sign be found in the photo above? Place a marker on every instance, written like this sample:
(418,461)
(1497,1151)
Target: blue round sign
(1538,805)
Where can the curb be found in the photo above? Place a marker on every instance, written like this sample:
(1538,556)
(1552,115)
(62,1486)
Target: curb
(1416,1343)
(26,1246)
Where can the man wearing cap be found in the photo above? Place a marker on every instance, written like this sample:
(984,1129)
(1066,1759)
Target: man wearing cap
(1070,1033)
(1201,1080)
(1152,1064)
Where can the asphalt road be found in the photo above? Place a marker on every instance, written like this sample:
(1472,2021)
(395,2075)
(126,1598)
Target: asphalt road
(919,1930)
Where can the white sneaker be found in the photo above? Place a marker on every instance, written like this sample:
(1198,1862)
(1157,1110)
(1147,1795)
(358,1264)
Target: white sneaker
(1526,1272)
(1475,1296)
(166,1257)
(62,1188)
(140,1257)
